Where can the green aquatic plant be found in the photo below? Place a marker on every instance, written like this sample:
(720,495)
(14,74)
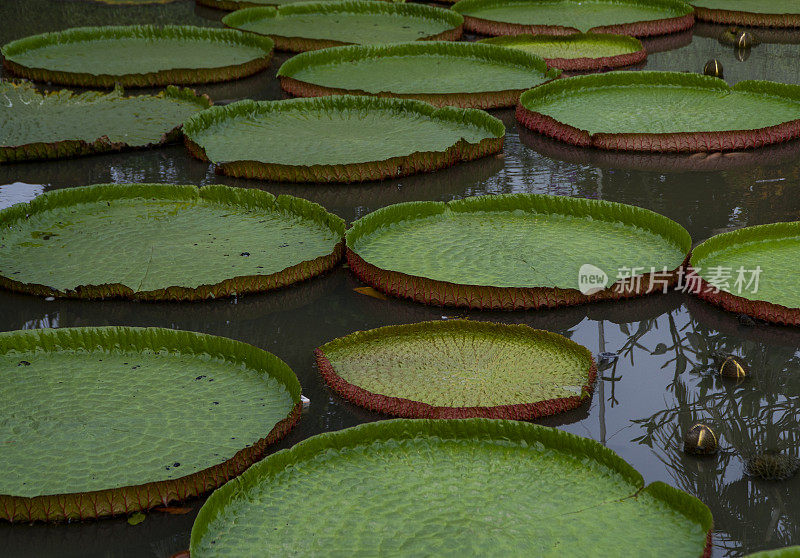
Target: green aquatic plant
(459,369)
(462,74)
(339,138)
(515,251)
(315,25)
(662,111)
(578,51)
(362,490)
(64,124)
(772,465)
(760,266)
(637,18)
(164,242)
(137,56)
(134,418)
(753,13)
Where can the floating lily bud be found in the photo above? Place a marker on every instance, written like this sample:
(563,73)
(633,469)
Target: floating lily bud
(713,68)
(700,440)
(772,466)
(744,40)
(733,367)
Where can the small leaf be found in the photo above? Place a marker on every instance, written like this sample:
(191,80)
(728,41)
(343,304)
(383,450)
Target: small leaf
(660,349)
(369,291)
(136,518)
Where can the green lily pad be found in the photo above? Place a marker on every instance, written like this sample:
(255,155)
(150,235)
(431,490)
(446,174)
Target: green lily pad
(459,369)
(442,73)
(114,420)
(638,18)
(579,51)
(775,13)
(64,124)
(137,56)
(159,241)
(339,138)
(769,257)
(787,552)
(662,111)
(471,487)
(315,25)
(231,5)
(515,251)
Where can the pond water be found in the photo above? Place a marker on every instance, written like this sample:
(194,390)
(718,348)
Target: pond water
(642,403)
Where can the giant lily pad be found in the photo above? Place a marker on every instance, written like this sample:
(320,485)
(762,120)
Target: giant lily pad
(470,487)
(516,251)
(638,18)
(775,13)
(137,55)
(315,25)
(441,73)
(159,241)
(753,271)
(459,369)
(339,138)
(662,111)
(64,124)
(113,420)
(230,5)
(579,51)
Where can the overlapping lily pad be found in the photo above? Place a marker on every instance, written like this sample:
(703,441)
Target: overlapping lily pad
(164,242)
(752,271)
(339,138)
(579,51)
(637,18)
(775,13)
(454,487)
(461,74)
(113,420)
(662,111)
(64,124)
(137,56)
(231,5)
(459,369)
(516,251)
(315,25)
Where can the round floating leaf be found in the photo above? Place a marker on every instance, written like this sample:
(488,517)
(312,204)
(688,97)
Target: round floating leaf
(638,18)
(231,5)
(448,488)
(755,271)
(113,420)
(459,369)
(315,25)
(137,55)
(516,251)
(339,138)
(579,51)
(159,241)
(662,111)
(64,124)
(786,552)
(462,74)
(757,13)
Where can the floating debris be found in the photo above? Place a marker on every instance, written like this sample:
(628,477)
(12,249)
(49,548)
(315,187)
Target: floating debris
(772,465)
(700,440)
(369,291)
(305,401)
(713,68)
(136,518)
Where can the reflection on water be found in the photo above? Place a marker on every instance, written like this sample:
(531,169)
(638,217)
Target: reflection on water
(643,402)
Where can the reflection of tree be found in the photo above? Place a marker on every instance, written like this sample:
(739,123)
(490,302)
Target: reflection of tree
(756,415)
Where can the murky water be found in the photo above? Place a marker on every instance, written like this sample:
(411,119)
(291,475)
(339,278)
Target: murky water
(641,404)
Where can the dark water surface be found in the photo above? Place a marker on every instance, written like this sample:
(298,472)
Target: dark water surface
(656,389)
